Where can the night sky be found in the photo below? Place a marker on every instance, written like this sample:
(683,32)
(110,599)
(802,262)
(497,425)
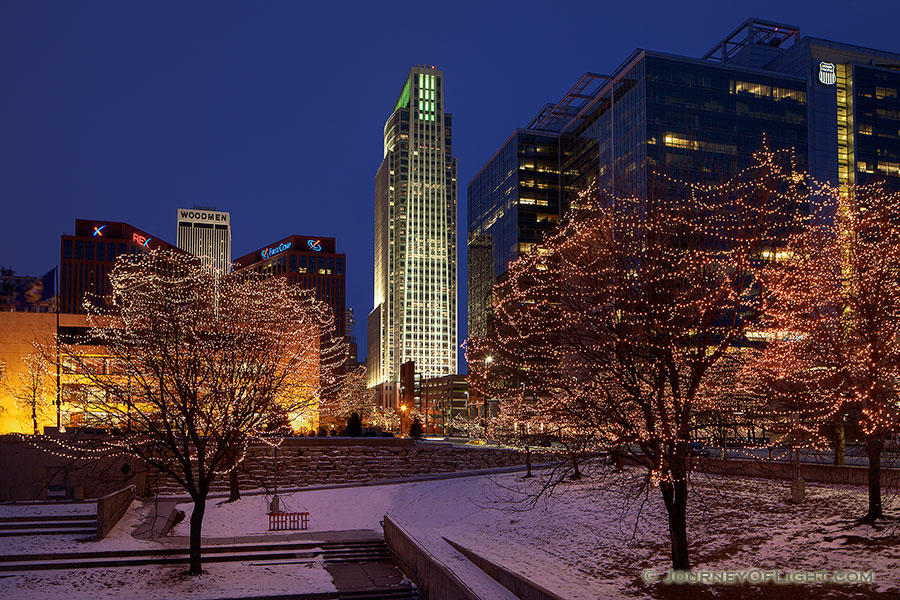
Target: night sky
(273,111)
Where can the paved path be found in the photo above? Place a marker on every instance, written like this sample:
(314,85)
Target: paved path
(394,481)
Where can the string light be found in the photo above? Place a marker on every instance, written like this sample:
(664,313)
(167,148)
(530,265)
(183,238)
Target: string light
(625,320)
(185,366)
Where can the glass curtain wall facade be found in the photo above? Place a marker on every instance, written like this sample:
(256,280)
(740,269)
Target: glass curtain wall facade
(415,304)
(696,120)
(513,202)
(836,106)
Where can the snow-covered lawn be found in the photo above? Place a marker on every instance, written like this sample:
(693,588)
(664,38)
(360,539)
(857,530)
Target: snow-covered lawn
(585,541)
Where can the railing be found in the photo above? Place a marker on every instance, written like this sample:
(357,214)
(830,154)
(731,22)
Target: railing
(281,521)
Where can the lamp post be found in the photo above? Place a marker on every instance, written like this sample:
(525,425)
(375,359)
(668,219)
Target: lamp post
(403,410)
(487,389)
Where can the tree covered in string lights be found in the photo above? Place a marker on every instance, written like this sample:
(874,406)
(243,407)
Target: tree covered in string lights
(30,389)
(835,328)
(196,365)
(354,396)
(619,321)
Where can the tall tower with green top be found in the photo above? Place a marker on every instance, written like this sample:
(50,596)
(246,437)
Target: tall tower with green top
(414,315)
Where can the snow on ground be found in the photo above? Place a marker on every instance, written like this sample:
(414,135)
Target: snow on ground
(119,538)
(221,580)
(586,541)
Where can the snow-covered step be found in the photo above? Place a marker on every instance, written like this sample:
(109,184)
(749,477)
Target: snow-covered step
(58,531)
(48,517)
(392,593)
(48,524)
(94,563)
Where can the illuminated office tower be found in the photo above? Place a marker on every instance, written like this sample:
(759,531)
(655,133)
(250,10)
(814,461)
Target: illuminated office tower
(206,232)
(414,315)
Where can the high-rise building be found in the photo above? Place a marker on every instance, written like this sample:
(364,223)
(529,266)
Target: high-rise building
(88,257)
(415,307)
(310,262)
(206,232)
(513,202)
(837,106)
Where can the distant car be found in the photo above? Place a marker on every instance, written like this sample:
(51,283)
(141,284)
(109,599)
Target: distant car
(698,449)
(476,443)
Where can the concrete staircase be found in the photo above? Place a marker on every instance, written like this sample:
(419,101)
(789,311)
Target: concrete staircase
(352,554)
(48,525)
(355,552)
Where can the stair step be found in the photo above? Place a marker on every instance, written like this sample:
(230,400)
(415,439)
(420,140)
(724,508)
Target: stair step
(18,566)
(87,517)
(46,524)
(66,531)
(381,594)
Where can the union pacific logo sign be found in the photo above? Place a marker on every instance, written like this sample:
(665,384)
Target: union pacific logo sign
(826,73)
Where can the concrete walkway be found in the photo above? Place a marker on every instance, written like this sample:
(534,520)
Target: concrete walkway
(394,481)
(353,577)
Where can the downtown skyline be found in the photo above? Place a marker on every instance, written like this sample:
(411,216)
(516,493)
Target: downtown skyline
(124,114)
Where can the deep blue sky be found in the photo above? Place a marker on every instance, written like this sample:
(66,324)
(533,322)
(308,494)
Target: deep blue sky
(274,110)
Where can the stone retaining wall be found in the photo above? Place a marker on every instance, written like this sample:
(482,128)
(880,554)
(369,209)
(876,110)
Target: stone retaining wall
(852,475)
(311,461)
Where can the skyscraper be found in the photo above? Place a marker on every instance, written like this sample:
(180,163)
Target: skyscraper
(414,315)
(206,232)
(837,106)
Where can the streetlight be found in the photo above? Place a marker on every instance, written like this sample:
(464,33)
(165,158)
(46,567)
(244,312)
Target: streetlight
(403,410)
(486,400)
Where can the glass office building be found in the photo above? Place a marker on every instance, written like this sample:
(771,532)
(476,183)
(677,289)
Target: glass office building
(513,202)
(415,306)
(834,105)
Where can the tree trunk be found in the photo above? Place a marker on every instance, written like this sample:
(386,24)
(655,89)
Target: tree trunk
(528,461)
(675,497)
(196,524)
(234,486)
(34,417)
(576,473)
(837,440)
(874,447)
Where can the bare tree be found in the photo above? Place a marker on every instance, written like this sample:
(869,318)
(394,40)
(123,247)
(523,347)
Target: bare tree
(195,365)
(619,319)
(29,389)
